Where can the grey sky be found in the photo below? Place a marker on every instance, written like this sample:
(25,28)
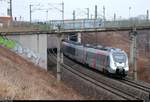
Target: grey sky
(120,7)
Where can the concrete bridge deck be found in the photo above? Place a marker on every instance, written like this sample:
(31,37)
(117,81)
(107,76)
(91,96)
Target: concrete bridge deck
(28,31)
(39,40)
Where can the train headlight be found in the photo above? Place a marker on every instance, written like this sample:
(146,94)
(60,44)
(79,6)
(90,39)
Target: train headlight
(126,68)
(112,65)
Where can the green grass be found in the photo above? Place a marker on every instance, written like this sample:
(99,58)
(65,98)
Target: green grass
(1,40)
(7,43)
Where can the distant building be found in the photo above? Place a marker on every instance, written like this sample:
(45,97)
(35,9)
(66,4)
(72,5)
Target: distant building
(5,21)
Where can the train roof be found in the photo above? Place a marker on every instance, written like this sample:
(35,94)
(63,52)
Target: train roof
(98,47)
(73,42)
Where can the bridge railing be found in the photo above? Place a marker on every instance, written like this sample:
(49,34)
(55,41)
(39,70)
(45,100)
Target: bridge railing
(24,26)
(79,24)
(76,24)
(98,23)
(127,23)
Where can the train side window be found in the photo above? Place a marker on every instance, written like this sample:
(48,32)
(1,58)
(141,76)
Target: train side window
(98,60)
(79,52)
(101,60)
(67,49)
(107,61)
(71,50)
(90,56)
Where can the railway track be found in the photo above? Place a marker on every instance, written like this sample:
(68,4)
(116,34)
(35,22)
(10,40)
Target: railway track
(141,85)
(127,88)
(113,83)
(116,92)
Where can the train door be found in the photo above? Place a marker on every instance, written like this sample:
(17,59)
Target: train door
(98,62)
(101,62)
(90,59)
(107,62)
(84,58)
(71,51)
(79,54)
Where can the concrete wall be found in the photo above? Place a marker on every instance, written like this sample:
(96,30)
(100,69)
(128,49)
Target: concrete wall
(52,41)
(37,43)
(43,50)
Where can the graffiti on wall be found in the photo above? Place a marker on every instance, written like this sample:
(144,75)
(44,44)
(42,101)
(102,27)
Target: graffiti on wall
(16,47)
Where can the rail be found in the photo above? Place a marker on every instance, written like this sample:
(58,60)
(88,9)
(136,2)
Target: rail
(114,83)
(134,90)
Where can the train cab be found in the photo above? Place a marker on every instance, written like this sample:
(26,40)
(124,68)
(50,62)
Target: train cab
(118,62)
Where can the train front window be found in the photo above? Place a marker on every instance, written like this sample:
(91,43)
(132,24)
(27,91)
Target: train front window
(119,57)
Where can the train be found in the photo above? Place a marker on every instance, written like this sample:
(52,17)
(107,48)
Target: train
(105,59)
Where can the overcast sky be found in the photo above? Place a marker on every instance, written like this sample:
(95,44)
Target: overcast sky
(120,7)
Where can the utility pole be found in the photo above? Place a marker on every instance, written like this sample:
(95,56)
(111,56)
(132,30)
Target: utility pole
(95,16)
(104,15)
(47,15)
(129,12)
(74,17)
(95,11)
(114,16)
(30,6)
(74,14)
(147,15)
(11,8)
(133,52)
(88,14)
(63,14)
(61,50)
(95,22)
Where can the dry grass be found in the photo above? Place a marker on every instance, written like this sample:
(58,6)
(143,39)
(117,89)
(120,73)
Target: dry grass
(21,80)
(120,39)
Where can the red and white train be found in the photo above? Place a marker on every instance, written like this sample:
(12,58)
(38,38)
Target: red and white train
(105,59)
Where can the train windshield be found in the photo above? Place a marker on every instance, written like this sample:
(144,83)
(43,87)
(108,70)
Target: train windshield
(119,57)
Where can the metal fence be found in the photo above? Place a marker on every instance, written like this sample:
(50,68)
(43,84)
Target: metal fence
(98,23)
(79,24)
(127,23)
(76,24)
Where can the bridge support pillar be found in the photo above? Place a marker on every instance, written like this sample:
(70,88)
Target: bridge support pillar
(79,37)
(133,52)
(59,56)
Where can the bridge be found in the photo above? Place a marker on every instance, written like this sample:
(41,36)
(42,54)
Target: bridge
(39,38)
(74,26)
